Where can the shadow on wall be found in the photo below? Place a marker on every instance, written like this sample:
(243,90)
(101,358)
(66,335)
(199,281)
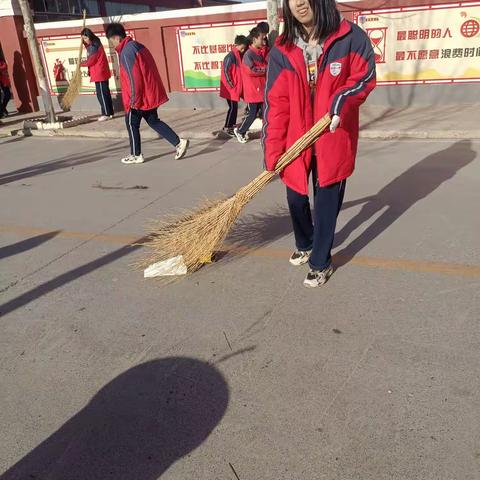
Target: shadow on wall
(135,427)
(19,76)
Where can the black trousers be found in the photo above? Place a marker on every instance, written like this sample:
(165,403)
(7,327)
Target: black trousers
(253,109)
(5,96)
(317,234)
(133,119)
(231,119)
(104,97)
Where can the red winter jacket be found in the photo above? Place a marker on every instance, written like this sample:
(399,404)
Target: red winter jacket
(4,78)
(254,69)
(97,62)
(142,87)
(231,79)
(346,77)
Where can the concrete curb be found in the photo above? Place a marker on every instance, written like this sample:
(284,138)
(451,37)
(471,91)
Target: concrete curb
(202,135)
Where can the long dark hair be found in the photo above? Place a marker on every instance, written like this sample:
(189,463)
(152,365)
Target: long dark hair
(90,35)
(326,20)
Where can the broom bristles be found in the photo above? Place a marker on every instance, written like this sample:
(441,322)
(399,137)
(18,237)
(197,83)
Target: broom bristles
(198,234)
(75,85)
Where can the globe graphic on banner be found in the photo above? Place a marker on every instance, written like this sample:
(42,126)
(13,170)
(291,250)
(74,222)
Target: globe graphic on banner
(470,28)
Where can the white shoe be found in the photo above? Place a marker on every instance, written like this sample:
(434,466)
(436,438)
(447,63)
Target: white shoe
(104,118)
(181,148)
(131,159)
(315,278)
(300,257)
(241,138)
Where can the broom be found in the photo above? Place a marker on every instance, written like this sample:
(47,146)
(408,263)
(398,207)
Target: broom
(75,85)
(198,234)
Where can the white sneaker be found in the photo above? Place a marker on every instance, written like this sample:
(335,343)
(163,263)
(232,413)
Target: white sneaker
(181,148)
(300,257)
(315,278)
(241,138)
(131,159)
(103,118)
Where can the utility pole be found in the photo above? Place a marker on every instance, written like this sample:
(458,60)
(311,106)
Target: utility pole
(272,18)
(36,60)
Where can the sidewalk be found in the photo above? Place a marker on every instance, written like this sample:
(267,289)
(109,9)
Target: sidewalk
(380,123)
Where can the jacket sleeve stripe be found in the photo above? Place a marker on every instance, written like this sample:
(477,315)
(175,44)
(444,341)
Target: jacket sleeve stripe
(128,61)
(357,88)
(227,63)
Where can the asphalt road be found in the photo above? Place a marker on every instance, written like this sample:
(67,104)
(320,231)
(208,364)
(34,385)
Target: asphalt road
(239,367)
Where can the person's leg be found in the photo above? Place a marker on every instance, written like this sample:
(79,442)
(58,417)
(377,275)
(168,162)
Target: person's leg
(108,98)
(100,98)
(299,206)
(132,121)
(252,115)
(328,202)
(151,116)
(231,119)
(6,96)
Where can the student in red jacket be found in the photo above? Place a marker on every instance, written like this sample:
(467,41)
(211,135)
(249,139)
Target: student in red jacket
(99,72)
(5,94)
(321,64)
(254,69)
(142,93)
(231,81)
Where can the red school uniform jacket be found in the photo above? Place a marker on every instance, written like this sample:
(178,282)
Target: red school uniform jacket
(254,69)
(97,62)
(346,75)
(231,78)
(142,87)
(4,78)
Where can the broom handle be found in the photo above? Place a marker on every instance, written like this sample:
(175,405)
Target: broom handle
(287,158)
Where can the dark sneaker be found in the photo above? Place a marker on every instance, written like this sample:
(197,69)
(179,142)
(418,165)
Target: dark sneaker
(300,257)
(315,278)
(229,132)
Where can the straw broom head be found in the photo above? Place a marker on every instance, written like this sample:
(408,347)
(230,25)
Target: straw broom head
(75,85)
(197,235)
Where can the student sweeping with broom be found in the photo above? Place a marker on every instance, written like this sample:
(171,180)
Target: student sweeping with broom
(99,72)
(321,64)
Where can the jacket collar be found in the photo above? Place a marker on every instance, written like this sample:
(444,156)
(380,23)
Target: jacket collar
(122,44)
(344,29)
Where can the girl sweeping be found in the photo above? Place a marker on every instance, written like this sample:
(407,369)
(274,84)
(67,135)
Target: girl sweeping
(99,72)
(321,64)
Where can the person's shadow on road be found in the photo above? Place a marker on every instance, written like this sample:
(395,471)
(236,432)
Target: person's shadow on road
(413,185)
(135,427)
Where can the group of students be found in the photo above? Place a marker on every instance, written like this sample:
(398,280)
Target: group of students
(243,76)
(141,85)
(321,64)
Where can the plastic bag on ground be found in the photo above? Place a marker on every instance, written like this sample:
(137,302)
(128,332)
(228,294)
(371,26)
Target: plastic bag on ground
(172,266)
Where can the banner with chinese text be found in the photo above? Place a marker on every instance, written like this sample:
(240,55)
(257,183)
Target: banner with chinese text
(202,50)
(60,56)
(425,44)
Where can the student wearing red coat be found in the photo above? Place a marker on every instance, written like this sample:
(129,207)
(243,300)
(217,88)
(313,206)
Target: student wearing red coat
(254,70)
(99,72)
(5,93)
(231,81)
(142,93)
(321,64)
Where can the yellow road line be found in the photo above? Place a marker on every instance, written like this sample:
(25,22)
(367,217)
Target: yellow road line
(371,262)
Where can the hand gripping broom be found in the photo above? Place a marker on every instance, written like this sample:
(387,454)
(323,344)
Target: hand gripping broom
(75,84)
(196,235)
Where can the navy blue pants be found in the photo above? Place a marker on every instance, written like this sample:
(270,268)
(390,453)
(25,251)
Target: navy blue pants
(133,119)
(317,234)
(5,96)
(231,119)
(104,97)
(253,109)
